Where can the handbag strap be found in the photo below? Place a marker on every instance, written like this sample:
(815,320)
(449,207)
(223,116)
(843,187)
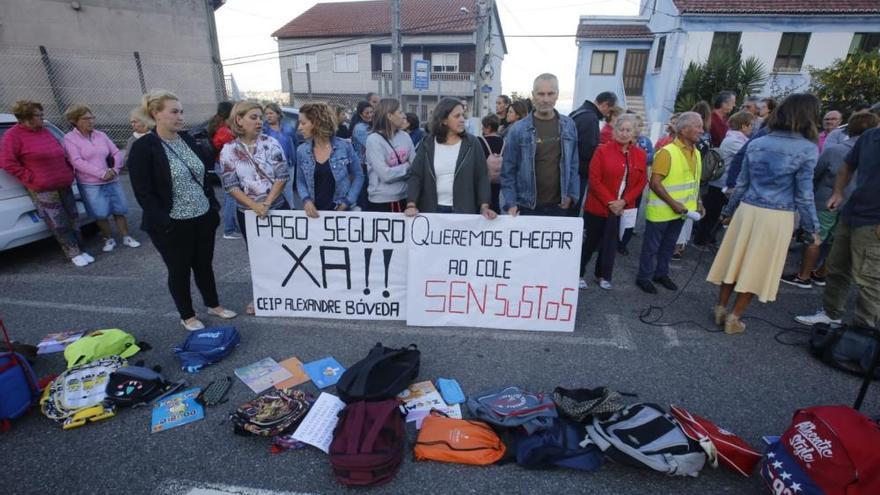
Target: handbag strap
(177,155)
(253,161)
(393,150)
(622,188)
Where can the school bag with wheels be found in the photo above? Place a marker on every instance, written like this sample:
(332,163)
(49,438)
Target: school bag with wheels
(368,441)
(18,384)
(458,441)
(720,445)
(135,385)
(383,374)
(644,435)
(847,348)
(272,413)
(511,407)
(100,344)
(79,388)
(206,346)
(565,444)
(827,450)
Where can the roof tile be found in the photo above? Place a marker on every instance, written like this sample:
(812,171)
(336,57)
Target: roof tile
(627,31)
(763,7)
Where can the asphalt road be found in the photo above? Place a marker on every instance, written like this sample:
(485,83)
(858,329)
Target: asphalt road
(749,383)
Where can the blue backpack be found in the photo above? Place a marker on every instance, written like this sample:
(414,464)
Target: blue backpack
(206,346)
(18,386)
(565,444)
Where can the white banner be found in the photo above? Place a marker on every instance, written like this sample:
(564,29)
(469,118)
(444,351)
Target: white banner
(343,265)
(510,273)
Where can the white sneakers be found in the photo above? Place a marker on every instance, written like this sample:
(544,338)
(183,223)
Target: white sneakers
(604,284)
(109,245)
(820,317)
(582,284)
(82,259)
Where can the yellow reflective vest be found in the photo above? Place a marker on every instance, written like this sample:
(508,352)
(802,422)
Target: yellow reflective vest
(680,183)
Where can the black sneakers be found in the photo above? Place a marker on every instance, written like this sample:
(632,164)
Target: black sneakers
(796,281)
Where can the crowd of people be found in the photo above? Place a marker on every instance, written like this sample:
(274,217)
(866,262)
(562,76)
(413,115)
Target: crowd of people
(759,175)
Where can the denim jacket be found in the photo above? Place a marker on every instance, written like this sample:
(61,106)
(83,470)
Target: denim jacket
(777,173)
(518,166)
(344,163)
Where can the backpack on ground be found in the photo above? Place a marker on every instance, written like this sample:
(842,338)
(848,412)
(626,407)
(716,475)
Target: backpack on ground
(493,162)
(273,413)
(644,435)
(565,444)
(135,385)
(847,348)
(459,441)
(100,344)
(205,347)
(511,407)
(368,441)
(383,374)
(582,403)
(18,383)
(719,444)
(827,450)
(79,388)
(712,166)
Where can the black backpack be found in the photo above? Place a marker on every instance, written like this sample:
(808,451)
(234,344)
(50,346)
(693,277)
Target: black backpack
(383,374)
(847,348)
(136,385)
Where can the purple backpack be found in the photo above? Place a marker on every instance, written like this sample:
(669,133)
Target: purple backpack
(367,446)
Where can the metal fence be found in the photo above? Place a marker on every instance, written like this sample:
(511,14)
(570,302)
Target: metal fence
(111,83)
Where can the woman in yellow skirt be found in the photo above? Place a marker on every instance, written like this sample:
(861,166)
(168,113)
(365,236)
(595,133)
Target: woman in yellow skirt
(775,182)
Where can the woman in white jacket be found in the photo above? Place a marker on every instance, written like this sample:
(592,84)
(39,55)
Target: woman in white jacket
(389,152)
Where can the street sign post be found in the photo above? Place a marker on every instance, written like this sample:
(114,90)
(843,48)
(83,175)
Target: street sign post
(421,74)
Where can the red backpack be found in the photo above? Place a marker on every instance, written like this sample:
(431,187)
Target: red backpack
(829,450)
(732,451)
(367,446)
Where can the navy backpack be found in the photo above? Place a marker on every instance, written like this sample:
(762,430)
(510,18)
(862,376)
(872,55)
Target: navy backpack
(565,444)
(206,346)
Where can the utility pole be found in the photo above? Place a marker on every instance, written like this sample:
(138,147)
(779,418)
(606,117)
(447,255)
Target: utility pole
(395,50)
(480,55)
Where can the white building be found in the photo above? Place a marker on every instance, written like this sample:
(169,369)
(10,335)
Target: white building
(643,58)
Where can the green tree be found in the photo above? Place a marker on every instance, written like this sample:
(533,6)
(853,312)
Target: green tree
(723,72)
(848,81)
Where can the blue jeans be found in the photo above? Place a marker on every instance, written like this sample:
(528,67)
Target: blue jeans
(657,248)
(227,213)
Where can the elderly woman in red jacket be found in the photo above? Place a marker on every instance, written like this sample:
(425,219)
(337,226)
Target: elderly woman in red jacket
(618,174)
(32,154)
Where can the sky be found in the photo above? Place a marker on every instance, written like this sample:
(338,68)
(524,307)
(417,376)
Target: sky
(245,28)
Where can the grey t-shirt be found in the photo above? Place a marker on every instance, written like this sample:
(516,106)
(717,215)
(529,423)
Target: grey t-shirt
(830,161)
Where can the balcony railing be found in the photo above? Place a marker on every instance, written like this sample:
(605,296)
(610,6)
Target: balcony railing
(435,76)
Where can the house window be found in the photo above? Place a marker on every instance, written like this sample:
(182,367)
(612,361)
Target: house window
(444,62)
(792,48)
(865,42)
(603,63)
(386,62)
(345,62)
(300,61)
(724,44)
(661,48)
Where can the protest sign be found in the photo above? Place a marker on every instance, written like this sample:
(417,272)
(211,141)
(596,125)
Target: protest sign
(510,273)
(343,265)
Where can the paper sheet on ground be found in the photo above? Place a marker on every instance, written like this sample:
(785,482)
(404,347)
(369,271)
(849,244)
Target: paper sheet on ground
(317,427)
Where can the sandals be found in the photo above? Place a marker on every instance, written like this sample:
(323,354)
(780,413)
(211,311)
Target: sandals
(226,314)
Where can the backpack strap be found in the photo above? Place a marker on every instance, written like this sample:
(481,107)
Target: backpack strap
(358,413)
(388,408)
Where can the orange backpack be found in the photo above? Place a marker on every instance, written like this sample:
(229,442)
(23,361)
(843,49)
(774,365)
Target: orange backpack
(457,440)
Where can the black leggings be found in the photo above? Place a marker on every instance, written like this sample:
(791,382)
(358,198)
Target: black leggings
(188,247)
(602,234)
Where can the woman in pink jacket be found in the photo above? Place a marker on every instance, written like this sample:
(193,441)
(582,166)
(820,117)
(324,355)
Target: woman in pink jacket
(97,162)
(31,153)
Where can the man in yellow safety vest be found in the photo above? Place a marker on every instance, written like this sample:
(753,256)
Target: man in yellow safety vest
(675,191)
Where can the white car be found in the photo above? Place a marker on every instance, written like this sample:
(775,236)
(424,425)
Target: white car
(19,222)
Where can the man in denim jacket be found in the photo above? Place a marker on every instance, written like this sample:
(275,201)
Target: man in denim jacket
(855,254)
(539,173)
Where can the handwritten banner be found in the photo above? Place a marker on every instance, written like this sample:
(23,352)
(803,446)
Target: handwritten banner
(510,273)
(340,265)
(432,270)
